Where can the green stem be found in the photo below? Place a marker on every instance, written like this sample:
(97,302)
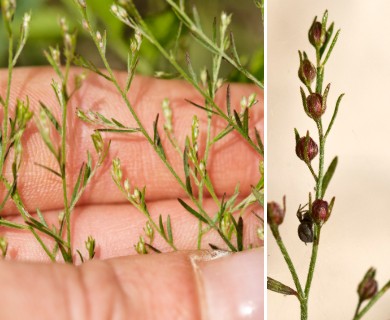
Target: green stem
(67,211)
(147,136)
(373,300)
(290,264)
(321,160)
(303,303)
(7,101)
(357,308)
(147,34)
(314,253)
(210,44)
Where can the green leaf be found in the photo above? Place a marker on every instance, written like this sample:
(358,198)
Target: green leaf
(334,41)
(190,68)
(297,137)
(259,142)
(187,169)
(329,33)
(336,110)
(223,133)
(80,255)
(50,116)
(238,120)
(328,175)
(48,169)
(162,229)
(42,218)
(77,185)
(304,102)
(200,107)
(234,49)
(214,247)
(169,229)
(228,100)
(277,286)
(192,211)
(156,138)
(152,248)
(245,122)
(259,195)
(240,231)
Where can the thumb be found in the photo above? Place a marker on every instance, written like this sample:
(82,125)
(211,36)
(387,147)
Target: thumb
(185,285)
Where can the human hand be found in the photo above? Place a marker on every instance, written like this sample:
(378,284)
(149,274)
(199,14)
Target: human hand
(124,287)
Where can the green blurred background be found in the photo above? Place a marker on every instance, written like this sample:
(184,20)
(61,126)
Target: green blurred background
(246,25)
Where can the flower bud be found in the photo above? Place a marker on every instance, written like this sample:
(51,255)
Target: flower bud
(316,36)
(315,106)
(275,213)
(305,232)
(306,149)
(320,211)
(368,287)
(307,72)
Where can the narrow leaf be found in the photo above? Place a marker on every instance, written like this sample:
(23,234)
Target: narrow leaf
(234,49)
(42,218)
(187,170)
(331,47)
(328,175)
(297,137)
(162,229)
(238,120)
(200,107)
(190,68)
(240,231)
(259,195)
(228,101)
(223,133)
(336,110)
(48,169)
(50,116)
(259,141)
(169,229)
(245,121)
(277,286)
(329,33)
(77,185)
(152,248)
(192,211)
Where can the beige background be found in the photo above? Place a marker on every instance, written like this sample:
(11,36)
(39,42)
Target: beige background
(358,234)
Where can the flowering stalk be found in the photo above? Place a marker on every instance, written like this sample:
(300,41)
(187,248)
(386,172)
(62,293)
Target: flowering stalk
(315,213)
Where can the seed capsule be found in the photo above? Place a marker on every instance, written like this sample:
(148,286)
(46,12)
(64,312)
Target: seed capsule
(275,213)
(315,105)
(316,36)
(306,149)
(368,287)
(307,72)
(320,211)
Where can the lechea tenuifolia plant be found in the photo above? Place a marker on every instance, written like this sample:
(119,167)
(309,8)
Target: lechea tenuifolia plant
(315,212)
(226,221)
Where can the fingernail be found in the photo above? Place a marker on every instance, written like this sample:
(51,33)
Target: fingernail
(231,286)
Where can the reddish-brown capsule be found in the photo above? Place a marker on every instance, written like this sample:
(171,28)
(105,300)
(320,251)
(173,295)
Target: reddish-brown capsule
(315,105)
(275,213)
(316,36)
(306,149)
(368,287)
(320,211)
(307,72)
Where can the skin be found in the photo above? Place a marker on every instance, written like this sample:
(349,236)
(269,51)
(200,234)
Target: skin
(118,286)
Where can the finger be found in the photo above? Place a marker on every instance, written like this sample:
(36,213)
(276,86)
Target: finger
(174,286)
(117,228)
(231,160)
